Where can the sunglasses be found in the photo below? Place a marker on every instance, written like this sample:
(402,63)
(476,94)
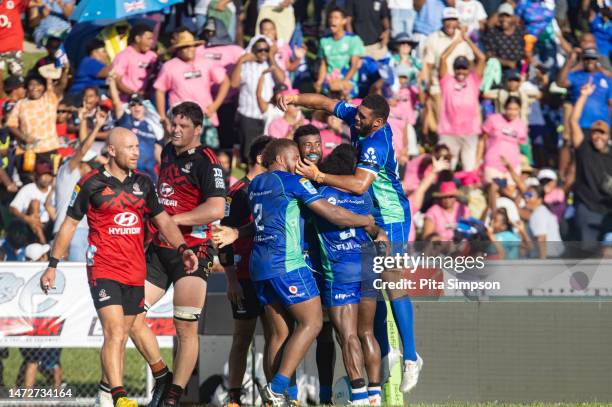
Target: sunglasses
(60,111)
(258,50)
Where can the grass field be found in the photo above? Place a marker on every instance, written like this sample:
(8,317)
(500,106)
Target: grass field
(81,370)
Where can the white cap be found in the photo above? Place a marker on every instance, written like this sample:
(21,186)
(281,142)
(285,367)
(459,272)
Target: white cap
(89,155)
(450,12)
(547,173)
(532,182)
(506,8)
(35,251)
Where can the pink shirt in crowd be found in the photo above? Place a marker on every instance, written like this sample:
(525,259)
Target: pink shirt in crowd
(190,81)
(400,116)
(225,56)
(446,222)
(555,200)
(329,140)
(134,67)
(415,172)
(504,139)
(459,109)
(280,128)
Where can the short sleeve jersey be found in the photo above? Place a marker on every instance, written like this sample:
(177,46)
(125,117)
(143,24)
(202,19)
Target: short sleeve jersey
(116,214)
(377,156)
(185,181)
(338,53)
(341,249)
(275,199)
(238,213)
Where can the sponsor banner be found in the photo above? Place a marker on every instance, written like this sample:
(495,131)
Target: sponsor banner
(66,317)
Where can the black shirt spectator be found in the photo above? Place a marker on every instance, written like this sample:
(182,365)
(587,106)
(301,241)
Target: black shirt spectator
(505,41)
(366,18)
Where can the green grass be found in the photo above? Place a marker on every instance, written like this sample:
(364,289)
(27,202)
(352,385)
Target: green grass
(81,370)
(30,58)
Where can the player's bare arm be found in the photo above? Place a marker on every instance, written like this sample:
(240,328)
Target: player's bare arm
(307,100)
(62,241)
(338,215)
(356,184)
(209,211)
(174,237)
(226,235)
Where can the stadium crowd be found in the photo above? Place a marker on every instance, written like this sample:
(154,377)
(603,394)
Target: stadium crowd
(500,111)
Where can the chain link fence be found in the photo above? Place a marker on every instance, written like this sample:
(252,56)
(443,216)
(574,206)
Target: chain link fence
(65,376)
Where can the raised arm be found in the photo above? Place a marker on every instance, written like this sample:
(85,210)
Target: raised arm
(442,68)
(480,58)
(309,101)
(576,131)
(261,102)
(564,72)
(114,94)
(356,184)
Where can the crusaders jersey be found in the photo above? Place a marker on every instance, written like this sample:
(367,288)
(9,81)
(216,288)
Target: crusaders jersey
(115,213)
(185,182)
(238,213)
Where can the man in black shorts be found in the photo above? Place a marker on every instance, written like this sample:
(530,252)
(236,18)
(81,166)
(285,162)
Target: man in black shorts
(240,289)
(116,200)
(191,189)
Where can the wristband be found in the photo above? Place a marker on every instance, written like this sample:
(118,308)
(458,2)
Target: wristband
(181,249)
(53,262)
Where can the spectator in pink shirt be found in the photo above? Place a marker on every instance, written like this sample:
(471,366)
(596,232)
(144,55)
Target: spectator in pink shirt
(219,50)
(459,125)
(443,216)
(136,64)
(189,79)
(502,135)
(285,126)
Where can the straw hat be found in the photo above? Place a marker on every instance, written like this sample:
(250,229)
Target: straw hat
(185,39)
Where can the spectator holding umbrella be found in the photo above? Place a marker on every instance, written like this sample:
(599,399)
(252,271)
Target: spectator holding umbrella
(593,186)
(459,125)
(93,69)
(134,65)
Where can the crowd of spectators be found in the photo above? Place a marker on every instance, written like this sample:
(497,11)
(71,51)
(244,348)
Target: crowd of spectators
(500,111)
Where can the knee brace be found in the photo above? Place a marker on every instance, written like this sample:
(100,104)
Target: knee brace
(189,314)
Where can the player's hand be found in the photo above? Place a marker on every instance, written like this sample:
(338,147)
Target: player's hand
(234,291)
(190,261)
(307,169)
(47,280)
(283,101)
(224,235)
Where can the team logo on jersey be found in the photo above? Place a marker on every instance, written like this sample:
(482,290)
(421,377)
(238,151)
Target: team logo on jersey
(191,151)
(137,190)
(103,295)
(166,190)
(331,200)
(370,155)
(293,289)
(218,174)
(74,195)
(125,222)
(187,168)
(308,186)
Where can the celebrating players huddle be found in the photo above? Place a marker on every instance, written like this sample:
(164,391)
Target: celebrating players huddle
(292,240)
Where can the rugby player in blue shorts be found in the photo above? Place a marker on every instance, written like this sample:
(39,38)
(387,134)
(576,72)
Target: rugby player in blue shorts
(377,171)
(341,258)
(284,283)
(308,139)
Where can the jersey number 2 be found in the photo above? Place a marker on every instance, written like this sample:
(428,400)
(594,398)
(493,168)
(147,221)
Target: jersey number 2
(258,211)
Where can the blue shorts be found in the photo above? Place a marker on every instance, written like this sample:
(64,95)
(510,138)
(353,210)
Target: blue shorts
(288,288)
(334,294)
(398,236)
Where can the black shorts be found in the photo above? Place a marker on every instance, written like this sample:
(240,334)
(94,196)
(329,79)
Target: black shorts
(109,292)
(249,307)
(165,266)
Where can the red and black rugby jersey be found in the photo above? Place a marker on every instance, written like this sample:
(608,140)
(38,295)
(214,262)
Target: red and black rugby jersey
(115,213)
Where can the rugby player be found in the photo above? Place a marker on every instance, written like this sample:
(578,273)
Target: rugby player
(341,258)
(240,289)
(116,200)
(308,139)
(284,283)
(377,171)
(192,190)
